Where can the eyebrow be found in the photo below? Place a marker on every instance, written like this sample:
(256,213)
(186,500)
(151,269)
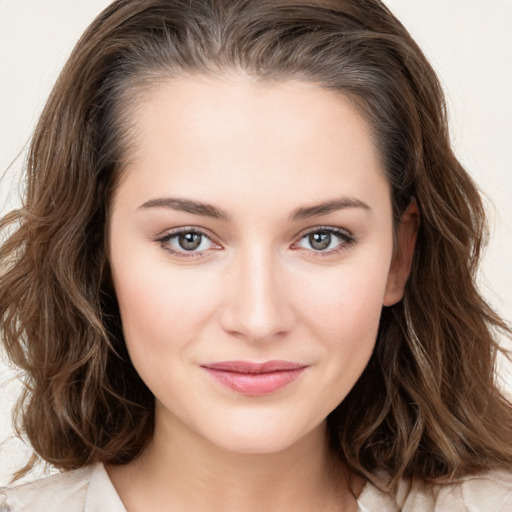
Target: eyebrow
(327,207)
(208,210)
(187,205)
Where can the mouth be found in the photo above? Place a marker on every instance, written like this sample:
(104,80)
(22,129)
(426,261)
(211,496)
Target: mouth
(255,379)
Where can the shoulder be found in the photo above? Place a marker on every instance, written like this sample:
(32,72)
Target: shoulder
(62,492)
(485,492)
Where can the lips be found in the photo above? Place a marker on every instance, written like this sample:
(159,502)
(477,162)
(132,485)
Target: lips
(255,378)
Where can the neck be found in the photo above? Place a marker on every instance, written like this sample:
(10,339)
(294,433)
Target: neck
(182,471)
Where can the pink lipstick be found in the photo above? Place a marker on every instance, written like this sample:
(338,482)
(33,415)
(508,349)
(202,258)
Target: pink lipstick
(255,378)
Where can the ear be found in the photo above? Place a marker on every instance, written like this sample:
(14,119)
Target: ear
(401,262)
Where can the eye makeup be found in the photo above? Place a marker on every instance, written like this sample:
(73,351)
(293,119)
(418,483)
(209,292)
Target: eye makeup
(345,238)
(171,240)
(183,242)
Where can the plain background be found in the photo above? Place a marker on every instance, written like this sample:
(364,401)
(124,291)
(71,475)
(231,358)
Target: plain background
(469,42)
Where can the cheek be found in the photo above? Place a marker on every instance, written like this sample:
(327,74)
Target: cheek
(155,305)
(343,314)
(347,304)
(163,308)
(163,317)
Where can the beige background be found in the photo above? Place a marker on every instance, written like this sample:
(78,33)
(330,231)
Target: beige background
(468,41)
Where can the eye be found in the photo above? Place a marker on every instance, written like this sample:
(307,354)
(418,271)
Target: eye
(187,242)
(326,240)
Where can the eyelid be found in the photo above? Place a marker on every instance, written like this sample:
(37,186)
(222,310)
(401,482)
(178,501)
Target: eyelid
(331,229)
(345,236)
(173,233)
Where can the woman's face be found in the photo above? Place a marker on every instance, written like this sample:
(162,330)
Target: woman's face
(251,249)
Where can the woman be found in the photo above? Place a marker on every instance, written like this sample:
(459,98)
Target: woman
(243,275)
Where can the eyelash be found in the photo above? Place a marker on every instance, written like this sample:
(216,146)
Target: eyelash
(344,237)
(176,233)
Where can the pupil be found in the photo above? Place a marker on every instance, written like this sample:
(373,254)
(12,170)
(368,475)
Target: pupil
(320,241)
(190,241)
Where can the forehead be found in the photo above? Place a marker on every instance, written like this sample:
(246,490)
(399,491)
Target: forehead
(217,106)
(255,137)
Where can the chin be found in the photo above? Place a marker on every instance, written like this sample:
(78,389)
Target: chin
(256,445)
(261,438)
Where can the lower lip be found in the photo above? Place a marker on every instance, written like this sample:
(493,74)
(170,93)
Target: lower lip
(255,384)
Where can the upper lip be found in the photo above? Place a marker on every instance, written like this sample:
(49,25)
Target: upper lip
(250,367)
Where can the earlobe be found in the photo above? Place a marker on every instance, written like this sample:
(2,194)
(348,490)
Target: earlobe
(401,262)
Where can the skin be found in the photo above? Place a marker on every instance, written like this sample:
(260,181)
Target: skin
(258,290)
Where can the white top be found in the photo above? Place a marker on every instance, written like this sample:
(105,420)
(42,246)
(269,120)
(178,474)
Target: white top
(90,490)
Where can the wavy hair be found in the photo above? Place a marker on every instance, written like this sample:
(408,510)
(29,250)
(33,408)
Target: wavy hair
(426,406)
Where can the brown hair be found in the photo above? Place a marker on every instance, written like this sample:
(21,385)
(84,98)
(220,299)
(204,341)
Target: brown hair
(427,404)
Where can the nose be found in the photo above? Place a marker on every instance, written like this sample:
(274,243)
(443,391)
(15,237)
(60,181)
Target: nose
(258,307)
